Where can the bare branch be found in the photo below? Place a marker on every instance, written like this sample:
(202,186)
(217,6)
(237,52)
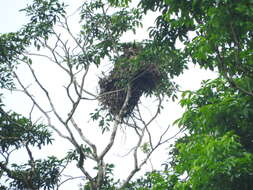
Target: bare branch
(29,153)
(40,55)
(56,54)
(70,178)
(138,166)
(86,140)
(30,113)
(117,121)
(66,26)
(40,108)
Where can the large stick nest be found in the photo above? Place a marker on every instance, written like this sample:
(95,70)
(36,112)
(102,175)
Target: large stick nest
(141,79)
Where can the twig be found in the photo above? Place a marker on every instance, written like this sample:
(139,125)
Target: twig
(116,123)
(40,108)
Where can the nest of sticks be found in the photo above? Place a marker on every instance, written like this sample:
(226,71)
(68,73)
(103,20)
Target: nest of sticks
(113,88)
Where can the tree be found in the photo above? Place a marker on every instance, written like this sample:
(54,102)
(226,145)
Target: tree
(19,133)
(139,69)
(220,139)
(216,153)
(216,150)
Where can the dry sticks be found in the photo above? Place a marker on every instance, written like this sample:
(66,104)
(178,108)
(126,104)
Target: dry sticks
(142,78)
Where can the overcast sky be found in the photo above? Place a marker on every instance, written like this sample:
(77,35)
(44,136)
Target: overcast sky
(10,17)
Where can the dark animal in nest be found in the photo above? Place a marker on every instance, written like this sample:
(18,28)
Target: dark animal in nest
(113,90)
(147,78)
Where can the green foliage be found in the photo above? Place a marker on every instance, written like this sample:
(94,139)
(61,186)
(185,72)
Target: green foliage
(108,183)
(119,3)
(214,163)
(43,15)
(220,31)
(155,180)
(216,153)
(79,155)
(104,120)
(103,29)
(166,61)
(43,174)
(216,109)
(17,131)
(11,46)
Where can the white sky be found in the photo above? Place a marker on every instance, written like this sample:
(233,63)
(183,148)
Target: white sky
(11,20)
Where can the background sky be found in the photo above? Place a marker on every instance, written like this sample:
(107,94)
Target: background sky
(11,20)
(10,17)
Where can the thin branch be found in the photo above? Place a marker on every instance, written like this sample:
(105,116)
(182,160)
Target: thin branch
(29,154)
(126,154)
(73,141)
(86,140)
(8,172)
(116,123)
(30,113)
(40,108)
(56,54)
(71,34)
(46,93)
(172,137)
(229,79)
(41,55)
(87,174)
(70,178)
(137,166)
(79,93)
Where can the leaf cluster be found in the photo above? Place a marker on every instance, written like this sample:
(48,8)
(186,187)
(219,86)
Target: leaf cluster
(103,27)
(41,174)
(18,131)
(43,16)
